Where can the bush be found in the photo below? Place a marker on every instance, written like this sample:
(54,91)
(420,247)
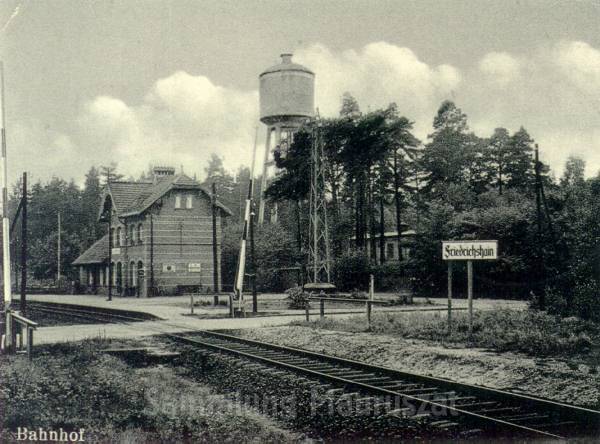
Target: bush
(352,270)
(586,300)
(391,276)
(297,297)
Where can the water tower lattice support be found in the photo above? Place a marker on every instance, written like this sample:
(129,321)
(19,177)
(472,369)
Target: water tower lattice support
(318,233)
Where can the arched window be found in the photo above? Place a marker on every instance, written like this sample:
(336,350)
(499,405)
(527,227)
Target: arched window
(120,237)
(111,239)
(131,232)
(139,233)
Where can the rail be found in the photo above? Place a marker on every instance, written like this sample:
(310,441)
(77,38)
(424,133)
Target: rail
(488,408)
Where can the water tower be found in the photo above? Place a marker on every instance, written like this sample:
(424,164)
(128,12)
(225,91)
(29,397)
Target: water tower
(287,95)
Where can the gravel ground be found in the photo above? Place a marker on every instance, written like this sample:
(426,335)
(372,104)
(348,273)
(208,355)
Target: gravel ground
(549,378)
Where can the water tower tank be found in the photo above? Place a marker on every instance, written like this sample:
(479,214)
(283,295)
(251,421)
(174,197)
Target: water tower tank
(287,93)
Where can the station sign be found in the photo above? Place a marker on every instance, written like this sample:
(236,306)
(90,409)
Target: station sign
(194,267)
(475,250)
(116,250)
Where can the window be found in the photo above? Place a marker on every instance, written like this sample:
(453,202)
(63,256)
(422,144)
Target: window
(111,239)
(139,233)
(131,237)
(406,253)
(188,201)
(119,236)
(178,201)
(390,250)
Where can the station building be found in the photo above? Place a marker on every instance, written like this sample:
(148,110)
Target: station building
(406,241)
(159,241)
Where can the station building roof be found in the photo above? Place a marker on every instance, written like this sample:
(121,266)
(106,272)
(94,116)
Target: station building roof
(131,198)
(96,254)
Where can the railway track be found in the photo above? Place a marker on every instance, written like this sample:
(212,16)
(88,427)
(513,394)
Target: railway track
(90,314)
(475,409)
(487,411)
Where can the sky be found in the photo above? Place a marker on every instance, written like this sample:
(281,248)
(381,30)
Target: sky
(170,82)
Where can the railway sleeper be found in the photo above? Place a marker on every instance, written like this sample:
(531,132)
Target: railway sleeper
(552,425)
(476,404)
(498,410)
(398,385)
(470,433)
(355,376)
(400,413)
(420,391)
(525,418)
(371,381)
(444,424)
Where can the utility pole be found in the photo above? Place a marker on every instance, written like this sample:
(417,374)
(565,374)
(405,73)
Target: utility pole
(24,244)
(538,205)
(110,241)
(151,253)
(5,224)
(214,245)
(58,263)
(253,261)
(110,247)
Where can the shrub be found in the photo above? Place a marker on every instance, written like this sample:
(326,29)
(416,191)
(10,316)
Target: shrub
(297,297)
(352,270)
(586,300)
(390,276)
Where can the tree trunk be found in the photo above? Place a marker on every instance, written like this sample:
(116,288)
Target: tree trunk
(398,204)
(372,228)
(381,227)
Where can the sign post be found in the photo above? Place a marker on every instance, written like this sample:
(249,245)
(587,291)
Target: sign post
(449,297)
(470,294)
(469,251)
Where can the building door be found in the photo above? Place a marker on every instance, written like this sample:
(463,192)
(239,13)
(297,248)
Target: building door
(119,278)
(140,278)
(132,279)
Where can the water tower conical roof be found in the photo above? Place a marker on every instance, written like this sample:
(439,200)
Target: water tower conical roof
(286,64)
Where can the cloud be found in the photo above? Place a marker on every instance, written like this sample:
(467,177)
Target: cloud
(580,64)
(554,92)
(378,74)
(500,68)
(181,121)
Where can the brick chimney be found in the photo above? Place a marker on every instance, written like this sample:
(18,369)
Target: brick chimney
(159,172)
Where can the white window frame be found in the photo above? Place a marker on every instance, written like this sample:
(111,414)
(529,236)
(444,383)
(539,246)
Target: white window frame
(178,201)
(189,202)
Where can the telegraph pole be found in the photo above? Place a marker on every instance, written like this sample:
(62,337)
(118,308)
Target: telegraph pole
(24,243)
(110,247)
(540,281)
(214,245)
(58,255)
(5,227)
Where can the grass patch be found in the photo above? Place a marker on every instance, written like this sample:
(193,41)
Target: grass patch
(529,331)
(73,386)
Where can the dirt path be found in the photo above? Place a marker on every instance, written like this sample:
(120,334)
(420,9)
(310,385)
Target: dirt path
(548,378)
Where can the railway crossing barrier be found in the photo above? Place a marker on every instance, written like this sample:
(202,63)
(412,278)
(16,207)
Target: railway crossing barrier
(26,326)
